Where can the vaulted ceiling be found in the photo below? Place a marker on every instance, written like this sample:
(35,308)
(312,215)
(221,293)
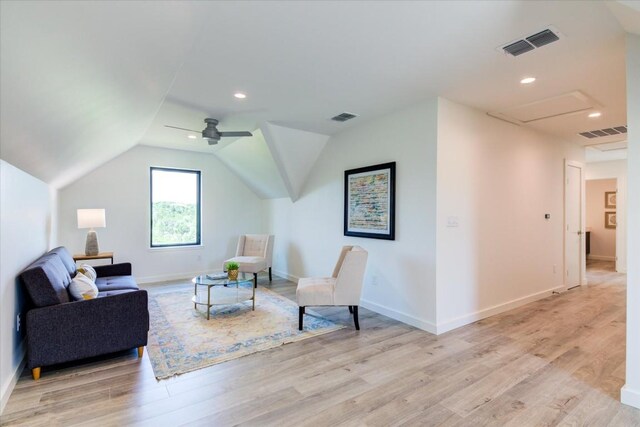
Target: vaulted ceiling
(82,82)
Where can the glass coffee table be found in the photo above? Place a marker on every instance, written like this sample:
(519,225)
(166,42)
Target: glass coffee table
(222,291)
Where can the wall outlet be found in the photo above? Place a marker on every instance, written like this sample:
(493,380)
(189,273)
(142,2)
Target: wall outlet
(452,221)
(374,280)
(18,322)
(555,268)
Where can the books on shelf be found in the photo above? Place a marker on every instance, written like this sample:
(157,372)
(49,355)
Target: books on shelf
(217,276)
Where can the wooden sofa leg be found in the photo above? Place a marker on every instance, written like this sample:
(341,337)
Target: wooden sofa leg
(36,373)
(355,317)
(270,277)
(140,351)
(351,309)
(255,280)
(300,317)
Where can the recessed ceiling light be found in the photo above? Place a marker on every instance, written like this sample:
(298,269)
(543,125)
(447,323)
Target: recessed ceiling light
(240,95)
(595,114)
(528,80)
(192,137)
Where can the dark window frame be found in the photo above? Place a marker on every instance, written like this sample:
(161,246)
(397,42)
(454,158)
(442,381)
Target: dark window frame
(198,241)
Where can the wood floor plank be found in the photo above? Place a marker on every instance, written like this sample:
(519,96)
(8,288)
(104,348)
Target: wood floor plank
(557,361)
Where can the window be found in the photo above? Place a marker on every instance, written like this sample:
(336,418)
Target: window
(175,207)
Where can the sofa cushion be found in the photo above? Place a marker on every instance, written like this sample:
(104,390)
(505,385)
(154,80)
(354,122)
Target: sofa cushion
(46,281)
(82,287)
(88,271)
(114,292)
(113,283)
(66,259)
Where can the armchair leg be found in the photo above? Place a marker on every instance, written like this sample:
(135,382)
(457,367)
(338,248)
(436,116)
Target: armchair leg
(270,278)
(351,309)
(300,317)
(36,373)
(140,351)
(355,317)
(255,280)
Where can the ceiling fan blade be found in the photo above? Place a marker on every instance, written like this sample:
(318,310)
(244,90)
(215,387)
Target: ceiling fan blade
(236,133)
(188,130)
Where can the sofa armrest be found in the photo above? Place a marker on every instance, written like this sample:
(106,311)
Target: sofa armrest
(81,329)
(122,269)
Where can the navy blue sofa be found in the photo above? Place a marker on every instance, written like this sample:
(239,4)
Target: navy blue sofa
(59,329)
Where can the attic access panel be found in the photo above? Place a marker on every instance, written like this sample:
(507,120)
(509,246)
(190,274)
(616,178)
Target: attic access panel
(561,105)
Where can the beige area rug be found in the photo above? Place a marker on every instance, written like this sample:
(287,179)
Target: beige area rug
(181,339)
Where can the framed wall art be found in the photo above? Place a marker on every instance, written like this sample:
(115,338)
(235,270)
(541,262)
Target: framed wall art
(609,220)
(369,201)
(610,199)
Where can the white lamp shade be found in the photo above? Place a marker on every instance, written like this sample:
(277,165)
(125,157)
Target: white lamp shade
(91,218)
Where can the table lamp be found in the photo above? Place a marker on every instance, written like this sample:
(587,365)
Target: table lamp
(91,218)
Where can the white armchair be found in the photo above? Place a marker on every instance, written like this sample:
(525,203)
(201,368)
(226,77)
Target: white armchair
(254,253)
(344,287)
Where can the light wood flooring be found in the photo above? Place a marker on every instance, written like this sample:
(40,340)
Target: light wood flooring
(558,361)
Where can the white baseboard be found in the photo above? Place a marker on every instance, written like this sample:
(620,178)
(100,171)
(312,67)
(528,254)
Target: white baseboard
(14,379)
(630,397)
(167,277)
(182,276)
(601,258)
(492,311)
(397,315)
(287,276)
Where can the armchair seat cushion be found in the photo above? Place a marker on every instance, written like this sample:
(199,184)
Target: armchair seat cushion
(116,283)
(313,291)
(249,264)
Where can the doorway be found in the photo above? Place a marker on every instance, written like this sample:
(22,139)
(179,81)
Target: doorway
(601,204)
(573,221)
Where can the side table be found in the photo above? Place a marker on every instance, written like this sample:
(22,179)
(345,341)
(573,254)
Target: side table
(101,255)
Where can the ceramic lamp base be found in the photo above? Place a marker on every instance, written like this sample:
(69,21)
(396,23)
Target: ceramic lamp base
(91,247)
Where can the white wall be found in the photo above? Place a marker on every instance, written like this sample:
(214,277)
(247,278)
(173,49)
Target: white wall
(602,239)
(121,186)
(499,180)
(631,390)
(26,212)
(615,169)
(400,277)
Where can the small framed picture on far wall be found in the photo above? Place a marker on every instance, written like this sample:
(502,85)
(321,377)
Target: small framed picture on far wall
(609,220)
(610,199)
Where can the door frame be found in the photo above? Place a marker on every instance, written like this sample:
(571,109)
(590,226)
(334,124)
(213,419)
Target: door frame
(583,261)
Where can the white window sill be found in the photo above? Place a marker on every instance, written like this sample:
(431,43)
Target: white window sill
(176,248)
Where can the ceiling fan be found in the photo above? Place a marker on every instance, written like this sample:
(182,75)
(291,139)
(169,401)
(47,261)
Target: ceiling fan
(211,132)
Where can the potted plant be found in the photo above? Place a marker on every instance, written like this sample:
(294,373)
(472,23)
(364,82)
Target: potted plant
(232,270)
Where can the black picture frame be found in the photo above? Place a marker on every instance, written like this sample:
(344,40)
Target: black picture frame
(386,198)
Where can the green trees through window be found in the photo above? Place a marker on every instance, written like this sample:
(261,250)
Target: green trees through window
(175,207)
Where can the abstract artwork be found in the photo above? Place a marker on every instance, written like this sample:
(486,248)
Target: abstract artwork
(369,201)
(609,220)
(610,199)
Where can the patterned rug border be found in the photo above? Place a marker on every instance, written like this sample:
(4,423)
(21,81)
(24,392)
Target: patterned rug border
(306,334)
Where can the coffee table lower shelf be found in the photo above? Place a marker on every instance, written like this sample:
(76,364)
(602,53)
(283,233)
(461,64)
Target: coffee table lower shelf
(222,295)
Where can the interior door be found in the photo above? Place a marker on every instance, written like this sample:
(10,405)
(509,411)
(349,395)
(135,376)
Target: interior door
(573,225)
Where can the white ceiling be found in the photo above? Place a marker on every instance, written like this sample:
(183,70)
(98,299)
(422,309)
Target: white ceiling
(83,81)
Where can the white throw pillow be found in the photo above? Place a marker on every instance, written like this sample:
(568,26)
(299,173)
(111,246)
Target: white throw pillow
(88,271)
(81,287)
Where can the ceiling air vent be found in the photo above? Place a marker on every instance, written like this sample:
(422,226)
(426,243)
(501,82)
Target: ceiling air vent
(616,130)
(518,48)
(543,38)
(529,43)
(343,117)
